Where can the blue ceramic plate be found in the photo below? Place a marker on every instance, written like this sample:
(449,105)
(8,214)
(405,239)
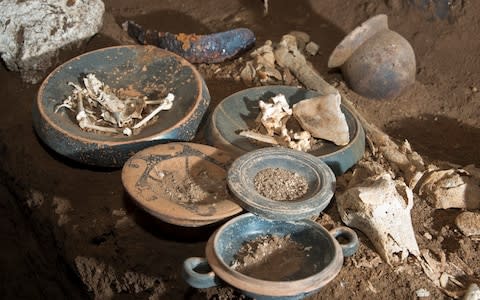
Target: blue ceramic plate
(147,70)
(238,112)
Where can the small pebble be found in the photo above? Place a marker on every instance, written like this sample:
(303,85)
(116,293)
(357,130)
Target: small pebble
(428,236)
(468,223)
(312,48)
(474,89)
(422,293)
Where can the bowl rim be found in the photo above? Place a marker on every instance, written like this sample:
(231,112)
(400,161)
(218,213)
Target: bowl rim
(250,199)
(44,115)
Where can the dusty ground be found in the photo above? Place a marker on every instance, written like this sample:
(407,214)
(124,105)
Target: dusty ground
(73,230)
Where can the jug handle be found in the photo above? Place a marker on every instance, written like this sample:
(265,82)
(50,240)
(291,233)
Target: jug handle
(198,274)
(349,239)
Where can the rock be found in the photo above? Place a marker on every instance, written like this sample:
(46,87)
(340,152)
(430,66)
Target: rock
(422,293)
(32,32)
(472,293)
(468,223)
(322,117)
(451,188)
(312,48)
(380,207)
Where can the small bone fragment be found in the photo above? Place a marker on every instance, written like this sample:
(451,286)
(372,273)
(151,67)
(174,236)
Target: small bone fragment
(264,54)
(380,207)
(165,105)
(248,73)
(422,293)
(301,37)
(274,116)
(259,137)
(468,223)
(451,188)
(322,117)
(86,124)
(312,48)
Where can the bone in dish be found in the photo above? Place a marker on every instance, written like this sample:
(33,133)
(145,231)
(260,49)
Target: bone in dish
(101,108)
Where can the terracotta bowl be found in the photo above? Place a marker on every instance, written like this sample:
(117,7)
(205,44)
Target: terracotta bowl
(238,112)
(322,262)
(320,179)
(147,70)
(181,183)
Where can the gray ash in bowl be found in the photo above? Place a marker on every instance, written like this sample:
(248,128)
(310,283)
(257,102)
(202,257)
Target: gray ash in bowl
(280,184)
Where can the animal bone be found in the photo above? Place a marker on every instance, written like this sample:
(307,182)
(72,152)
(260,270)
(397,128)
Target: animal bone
(259,137)
(452,188)
(380,207)
(166,104)
(274,116)
(322,117)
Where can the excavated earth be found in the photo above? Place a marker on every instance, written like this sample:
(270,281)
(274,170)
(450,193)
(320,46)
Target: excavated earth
(70,231)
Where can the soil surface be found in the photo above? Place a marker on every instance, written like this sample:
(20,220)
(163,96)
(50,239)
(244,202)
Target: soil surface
(273,258)
(72,230)
(280,184)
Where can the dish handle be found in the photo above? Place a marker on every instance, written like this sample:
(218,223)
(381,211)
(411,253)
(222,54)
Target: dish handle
(347,238)
(198,274)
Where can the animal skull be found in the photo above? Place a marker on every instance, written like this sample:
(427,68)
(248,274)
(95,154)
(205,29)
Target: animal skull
(380,207)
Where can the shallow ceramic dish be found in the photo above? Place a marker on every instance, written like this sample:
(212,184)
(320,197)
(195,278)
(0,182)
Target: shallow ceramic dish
(323,259)
(181,183)
(147,70)
(320,179)
(239,111)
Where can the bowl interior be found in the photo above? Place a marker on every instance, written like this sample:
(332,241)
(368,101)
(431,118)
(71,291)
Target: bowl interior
(320,249)
(252,168)
(147,71)
(239,111)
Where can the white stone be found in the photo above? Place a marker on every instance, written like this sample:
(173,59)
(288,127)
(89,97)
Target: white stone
(32,32)
(323,118)
(472,293)
(422,293)
(380,207)
(312,48)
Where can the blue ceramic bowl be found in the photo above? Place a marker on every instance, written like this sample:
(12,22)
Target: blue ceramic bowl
(238,112)
(325,254)
(320,179)
(145,69)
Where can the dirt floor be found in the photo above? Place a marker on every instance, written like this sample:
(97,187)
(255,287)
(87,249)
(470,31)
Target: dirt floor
(71,230)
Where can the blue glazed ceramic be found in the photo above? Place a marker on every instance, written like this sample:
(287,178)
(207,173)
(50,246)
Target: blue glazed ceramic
(325,253)
(320,179)
(145,69)
(238,112)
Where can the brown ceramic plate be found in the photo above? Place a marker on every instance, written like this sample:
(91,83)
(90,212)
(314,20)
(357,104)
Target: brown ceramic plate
(181,183)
